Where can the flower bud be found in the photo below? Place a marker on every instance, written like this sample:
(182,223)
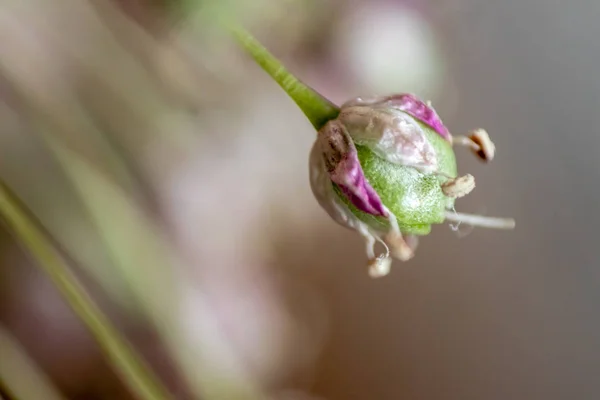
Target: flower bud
(386,168)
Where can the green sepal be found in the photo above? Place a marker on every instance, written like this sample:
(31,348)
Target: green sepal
(416,199)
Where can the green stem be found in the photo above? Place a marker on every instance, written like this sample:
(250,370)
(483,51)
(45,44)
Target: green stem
(135,374)
(317,108)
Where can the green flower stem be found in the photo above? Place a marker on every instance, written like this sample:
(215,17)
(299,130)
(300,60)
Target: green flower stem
(317,108)
(140,380)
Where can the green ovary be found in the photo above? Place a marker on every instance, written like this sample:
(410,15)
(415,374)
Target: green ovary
(416,199)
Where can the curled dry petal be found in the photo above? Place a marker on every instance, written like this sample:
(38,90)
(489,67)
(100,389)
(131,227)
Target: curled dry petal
(342,164)
(322,188)
(391,134)
(409,104)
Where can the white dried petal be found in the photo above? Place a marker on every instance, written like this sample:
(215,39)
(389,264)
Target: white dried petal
(392,135)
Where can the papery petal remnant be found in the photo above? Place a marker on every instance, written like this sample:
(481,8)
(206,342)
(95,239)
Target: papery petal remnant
(343,166)
(393,135)
(409,104)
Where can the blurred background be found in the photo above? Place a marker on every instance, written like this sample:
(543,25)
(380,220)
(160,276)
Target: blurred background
(173,172)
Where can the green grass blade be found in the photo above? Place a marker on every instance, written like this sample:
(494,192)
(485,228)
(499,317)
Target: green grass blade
(317,108)
(134,373)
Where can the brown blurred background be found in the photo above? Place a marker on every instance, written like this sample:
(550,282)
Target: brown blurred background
(261,289)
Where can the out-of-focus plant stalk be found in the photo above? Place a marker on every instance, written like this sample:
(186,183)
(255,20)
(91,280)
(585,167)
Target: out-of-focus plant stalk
(317,108)
(19,375)
(133,240)
(135,374)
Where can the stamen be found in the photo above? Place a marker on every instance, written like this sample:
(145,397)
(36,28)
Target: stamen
(370,242)
(466,142)
(479,142)
(387,249)
(459,187)
(379,267)
(392,220)
(479,220)
(400,250)
(455,227)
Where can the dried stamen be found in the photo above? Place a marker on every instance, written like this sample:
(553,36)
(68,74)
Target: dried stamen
(379,266)
(479,142)
(459,187)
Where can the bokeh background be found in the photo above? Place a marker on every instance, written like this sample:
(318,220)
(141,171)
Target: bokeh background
(192,222)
